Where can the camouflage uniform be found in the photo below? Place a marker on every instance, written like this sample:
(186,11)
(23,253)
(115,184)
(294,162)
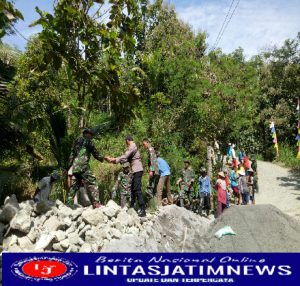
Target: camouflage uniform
(186,186)
(254,167)
(122,188)
(79,161)
(153,167)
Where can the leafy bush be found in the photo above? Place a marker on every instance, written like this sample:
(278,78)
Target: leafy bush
(287,155)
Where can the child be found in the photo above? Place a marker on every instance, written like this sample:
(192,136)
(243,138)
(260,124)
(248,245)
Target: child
(243,187)
(250,183)
(122,188)
(247,163)
(234,186)
(227,181)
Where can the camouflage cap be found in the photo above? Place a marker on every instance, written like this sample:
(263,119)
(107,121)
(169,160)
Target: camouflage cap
(126,165)
(186,161)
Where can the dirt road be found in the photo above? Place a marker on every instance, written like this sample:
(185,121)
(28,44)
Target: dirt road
(267,226)
(280,187)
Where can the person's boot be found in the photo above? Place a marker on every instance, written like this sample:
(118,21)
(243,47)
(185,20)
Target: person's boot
(149,193)
(141,213)
(200,212)
(181,203)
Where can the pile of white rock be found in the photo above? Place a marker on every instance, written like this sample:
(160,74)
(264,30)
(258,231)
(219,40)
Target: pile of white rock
(52,226)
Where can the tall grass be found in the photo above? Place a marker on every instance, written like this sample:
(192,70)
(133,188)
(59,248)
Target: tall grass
(287,155)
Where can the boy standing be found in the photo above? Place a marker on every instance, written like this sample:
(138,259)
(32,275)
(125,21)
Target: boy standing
(204,192)
(122,188)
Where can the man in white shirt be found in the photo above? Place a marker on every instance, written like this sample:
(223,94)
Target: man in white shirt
(43,190)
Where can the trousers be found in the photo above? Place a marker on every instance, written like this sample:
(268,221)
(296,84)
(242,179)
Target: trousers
(136,190)
(124,200)
(89,180)
(152,185)
(164,181)
(204,203)
(220,208)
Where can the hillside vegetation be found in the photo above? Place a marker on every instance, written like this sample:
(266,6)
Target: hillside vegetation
(139,70)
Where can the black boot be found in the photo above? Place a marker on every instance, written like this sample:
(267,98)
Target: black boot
(141,213)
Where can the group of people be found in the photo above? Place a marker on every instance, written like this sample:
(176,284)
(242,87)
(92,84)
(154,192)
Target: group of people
(240,181)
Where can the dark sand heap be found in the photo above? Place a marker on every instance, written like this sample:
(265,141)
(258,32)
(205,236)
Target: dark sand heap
(258,228)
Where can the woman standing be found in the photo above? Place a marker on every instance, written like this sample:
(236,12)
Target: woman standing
(222,193)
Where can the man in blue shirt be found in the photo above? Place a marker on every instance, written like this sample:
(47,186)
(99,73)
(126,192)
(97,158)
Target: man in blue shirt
(164,180)
(242,154)
(229,153)
(204,192)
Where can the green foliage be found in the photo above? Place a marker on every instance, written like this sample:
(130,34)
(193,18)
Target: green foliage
(92,50)
(280,87)
(8,59)
(16,180)
(9,15)
(287,155)
(171,57)
(137,69)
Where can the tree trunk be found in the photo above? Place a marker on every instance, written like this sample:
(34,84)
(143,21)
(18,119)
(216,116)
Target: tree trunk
(209,162)
(81,95)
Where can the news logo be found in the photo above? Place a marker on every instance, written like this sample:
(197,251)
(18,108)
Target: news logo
(44,268)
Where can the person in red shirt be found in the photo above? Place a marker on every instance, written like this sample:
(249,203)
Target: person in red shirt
(247,163)
(221,191)
(227,181)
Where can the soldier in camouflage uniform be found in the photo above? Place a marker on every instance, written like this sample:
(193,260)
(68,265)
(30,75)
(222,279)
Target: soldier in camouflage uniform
(185,183)
(153,168)
(79,162)
(122,188)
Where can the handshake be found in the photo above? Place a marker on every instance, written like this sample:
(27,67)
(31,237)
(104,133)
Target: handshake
(110,159)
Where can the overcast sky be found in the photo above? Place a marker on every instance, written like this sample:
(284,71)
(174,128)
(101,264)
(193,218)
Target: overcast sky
(256,24)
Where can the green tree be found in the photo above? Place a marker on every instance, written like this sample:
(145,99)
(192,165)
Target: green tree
(280,89)
(9,15)
(79,36)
